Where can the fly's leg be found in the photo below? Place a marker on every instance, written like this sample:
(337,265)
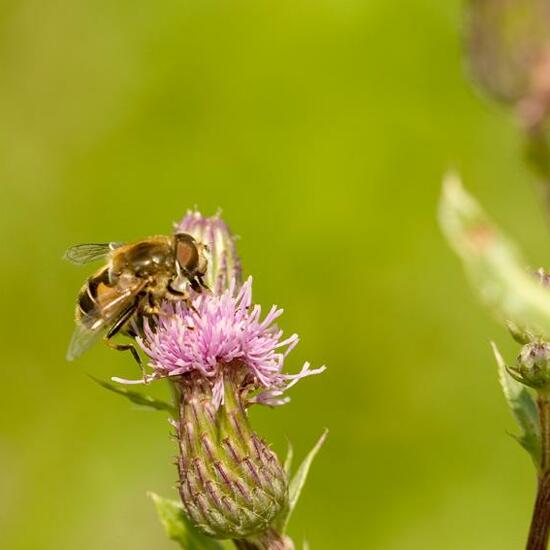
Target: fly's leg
(176,295)
(195,285)
(202,283)
(132,349)
(151,307)
(124,317)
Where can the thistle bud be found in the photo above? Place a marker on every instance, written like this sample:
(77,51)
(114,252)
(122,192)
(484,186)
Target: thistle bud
(533,366)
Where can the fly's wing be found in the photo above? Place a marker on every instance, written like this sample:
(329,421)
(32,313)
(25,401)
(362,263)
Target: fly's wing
(81,340)
(113,305)
(89,252)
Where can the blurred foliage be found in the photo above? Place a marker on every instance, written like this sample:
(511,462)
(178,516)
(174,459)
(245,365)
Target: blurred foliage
(505,42)
(495,267)
(322,129)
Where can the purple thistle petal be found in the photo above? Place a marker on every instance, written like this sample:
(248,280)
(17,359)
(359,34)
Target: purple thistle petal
(220,332)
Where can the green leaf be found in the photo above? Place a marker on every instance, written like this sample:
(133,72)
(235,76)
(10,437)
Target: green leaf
(524,409)
(496,269)
(179,528)
(297,482)
(137,398)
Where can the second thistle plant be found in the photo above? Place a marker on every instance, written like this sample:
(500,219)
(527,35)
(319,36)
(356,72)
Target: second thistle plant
(522,301)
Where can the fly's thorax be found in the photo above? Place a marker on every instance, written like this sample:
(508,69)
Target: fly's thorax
(146,258)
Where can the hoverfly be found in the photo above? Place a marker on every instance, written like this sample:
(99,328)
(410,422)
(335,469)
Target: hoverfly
(132,284)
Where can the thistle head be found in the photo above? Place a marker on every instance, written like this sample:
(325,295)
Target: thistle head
(222,355)
(532,366)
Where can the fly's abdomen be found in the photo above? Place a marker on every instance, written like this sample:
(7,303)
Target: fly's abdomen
(88,309)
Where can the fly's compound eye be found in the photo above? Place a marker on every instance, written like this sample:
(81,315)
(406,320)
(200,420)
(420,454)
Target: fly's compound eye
(186,253)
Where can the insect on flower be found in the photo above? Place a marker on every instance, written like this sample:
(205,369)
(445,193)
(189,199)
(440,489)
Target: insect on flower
(132,284)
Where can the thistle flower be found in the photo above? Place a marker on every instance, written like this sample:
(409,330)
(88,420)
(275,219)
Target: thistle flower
(222,356)
(219,333)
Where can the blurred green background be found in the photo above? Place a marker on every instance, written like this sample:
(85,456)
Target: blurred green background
(322,128)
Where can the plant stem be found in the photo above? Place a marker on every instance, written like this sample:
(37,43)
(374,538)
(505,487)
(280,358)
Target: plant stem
(540,522)
(269,540)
